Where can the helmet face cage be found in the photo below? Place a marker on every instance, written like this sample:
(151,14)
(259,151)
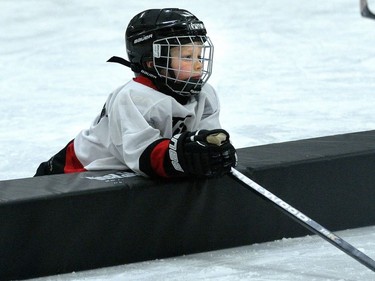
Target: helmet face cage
(186,81)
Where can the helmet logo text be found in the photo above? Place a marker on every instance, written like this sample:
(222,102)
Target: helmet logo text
(156,50)
(196,26)
(143,38)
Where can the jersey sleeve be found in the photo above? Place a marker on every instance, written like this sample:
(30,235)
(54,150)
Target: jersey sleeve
(154,160)
(139,132)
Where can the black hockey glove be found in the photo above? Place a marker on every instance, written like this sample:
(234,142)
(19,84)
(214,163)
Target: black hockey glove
(202,153)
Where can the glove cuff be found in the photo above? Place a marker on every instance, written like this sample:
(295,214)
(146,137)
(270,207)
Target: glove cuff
(173,151)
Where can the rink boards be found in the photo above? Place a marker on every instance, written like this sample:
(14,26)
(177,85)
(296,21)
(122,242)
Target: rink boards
(65,223)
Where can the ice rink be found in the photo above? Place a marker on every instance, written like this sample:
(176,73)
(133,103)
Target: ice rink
(284,70)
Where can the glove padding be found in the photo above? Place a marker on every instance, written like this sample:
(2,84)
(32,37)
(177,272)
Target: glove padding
(202,153)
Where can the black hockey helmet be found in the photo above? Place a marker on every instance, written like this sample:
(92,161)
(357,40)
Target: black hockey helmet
(154,24)
(152,33)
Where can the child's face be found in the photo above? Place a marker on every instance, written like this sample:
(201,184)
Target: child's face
(186,61)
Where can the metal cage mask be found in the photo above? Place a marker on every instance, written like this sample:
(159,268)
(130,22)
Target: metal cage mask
(184,63)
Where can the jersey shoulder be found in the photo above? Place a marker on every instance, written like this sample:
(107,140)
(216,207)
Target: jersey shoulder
(137,95)
(210,97)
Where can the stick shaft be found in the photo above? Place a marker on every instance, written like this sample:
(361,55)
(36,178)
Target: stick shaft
(365,11)
(304,220)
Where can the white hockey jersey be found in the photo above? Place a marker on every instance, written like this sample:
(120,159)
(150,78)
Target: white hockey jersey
(135,116)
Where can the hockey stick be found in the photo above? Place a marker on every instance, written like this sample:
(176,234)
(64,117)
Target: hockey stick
(365,11)
(305,220)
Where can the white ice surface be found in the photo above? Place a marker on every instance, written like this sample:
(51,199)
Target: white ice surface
(299,259)
(284,70)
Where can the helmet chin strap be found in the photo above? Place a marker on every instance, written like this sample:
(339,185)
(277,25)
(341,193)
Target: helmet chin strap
(134,67)
(121,61)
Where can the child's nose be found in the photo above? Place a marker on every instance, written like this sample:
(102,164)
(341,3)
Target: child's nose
(197,64)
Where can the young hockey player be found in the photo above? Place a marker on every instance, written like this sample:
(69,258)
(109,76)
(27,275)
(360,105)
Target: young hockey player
(164,122)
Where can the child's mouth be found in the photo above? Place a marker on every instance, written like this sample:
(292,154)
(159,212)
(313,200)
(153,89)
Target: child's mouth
(196,77)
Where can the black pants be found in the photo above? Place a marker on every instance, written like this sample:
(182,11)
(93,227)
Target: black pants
(55,165)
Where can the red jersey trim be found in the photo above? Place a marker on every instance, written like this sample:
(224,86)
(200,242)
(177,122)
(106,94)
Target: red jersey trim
(157,158)
(72,164)
(145,81)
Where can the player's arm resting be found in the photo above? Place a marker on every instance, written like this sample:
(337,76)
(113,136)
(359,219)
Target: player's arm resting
(206,153)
